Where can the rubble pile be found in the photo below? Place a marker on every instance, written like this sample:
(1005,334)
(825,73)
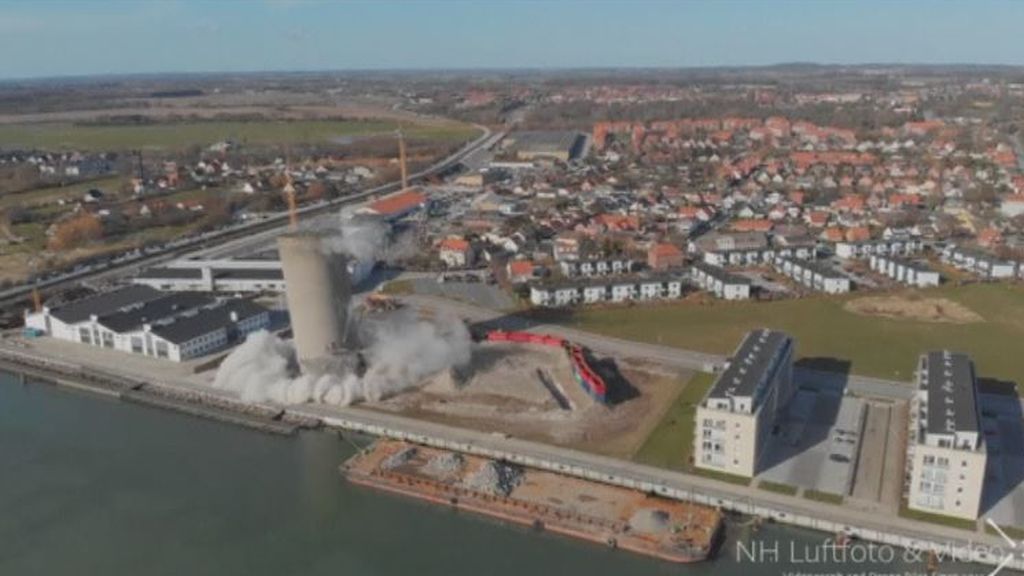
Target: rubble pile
(497,478)
(444,465)
(399,458)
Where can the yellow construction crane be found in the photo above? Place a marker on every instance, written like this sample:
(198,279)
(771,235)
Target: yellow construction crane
(401,159)
(289,193)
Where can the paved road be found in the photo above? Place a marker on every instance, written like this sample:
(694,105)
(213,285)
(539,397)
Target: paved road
(251,234)
(670,356)
(870,525)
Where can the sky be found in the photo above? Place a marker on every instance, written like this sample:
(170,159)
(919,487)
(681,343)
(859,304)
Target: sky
(42,38)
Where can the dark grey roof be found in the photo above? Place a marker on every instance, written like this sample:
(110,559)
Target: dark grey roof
(756,355)
(249,273)
(133,317)
(171,273)
(948,379)
(104,303)
(721,274)
(223,273)
(206,320)
(819,268)
(916,265)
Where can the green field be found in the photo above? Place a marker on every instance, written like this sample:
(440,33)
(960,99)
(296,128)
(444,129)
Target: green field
(825,497)
(39,196)
(177,135)
(778,488)
(829,336)
(937,518)
(670,444)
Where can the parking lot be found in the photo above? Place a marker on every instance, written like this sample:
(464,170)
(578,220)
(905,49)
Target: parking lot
(816,445)
(479,293)
(1004,488)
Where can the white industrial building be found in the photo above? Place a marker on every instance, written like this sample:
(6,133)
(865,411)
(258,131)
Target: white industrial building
(594,291)
(892,247)
(142,320)
(946,452)
(214,276)
(230,276)
(904,271)
(814,275)
(977,262)
(719,282)
(735,419)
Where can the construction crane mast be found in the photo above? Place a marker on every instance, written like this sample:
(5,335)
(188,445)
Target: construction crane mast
(401,159)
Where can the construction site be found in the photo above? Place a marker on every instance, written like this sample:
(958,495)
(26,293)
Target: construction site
(621,518)
(544,388)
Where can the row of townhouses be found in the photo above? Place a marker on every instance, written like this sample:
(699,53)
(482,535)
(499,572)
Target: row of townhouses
(904,271)
(814,275)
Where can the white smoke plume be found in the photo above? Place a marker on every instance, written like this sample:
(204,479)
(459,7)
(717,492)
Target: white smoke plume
(401,352)
(364,240)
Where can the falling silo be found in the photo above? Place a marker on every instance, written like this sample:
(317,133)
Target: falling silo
(318,292)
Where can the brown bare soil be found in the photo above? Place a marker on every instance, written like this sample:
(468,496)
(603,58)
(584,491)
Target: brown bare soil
(502,392)
(918,309)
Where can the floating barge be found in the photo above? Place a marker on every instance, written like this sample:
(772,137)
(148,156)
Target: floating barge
(609,515)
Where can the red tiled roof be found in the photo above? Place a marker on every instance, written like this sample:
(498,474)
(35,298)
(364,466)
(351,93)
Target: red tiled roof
(454,244)
(398,202)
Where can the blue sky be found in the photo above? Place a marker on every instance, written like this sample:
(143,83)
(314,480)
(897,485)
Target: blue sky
(56,38)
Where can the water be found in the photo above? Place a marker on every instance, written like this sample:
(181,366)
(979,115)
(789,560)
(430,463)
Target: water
(90,485)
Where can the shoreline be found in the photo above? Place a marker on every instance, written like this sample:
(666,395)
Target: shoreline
(970,546)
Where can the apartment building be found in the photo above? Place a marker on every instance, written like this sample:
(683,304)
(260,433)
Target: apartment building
(978,262)
(814,275)
(904,271)
(892,247)
(734,421)
(719,282)
(612,289)
(946,450)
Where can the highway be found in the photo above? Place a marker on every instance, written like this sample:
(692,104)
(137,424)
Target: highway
(239,235)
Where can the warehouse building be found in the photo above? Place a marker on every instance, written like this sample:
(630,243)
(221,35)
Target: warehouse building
(719,282)
(142,320)
(734,421)
(946,450)
(544,145)
(904,271)
(814,275)
(215,276)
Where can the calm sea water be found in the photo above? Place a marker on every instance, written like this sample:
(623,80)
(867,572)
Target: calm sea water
(96,486)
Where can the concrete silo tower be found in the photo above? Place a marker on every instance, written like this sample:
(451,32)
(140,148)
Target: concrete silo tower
(318,292)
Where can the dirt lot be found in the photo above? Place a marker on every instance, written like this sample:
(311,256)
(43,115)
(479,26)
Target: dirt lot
(922,310)
(529,392)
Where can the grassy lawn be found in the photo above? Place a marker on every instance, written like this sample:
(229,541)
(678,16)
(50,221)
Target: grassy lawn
(826,497)
(110,186)
(176,135)
(937,518)
(670,444)
(398,287)
(1011,531)
(886,348)
(778,488)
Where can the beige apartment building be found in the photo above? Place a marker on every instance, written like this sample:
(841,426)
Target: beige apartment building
(946,452)
(735,419)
